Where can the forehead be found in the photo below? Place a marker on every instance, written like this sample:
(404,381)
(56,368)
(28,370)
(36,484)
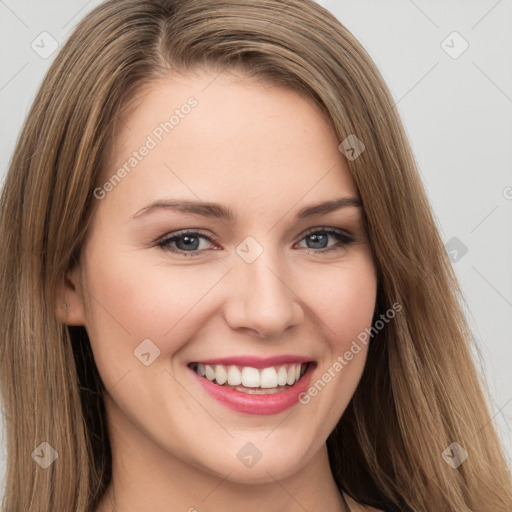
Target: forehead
(228,139)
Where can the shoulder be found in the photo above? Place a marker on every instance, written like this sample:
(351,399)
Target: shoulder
(357,507)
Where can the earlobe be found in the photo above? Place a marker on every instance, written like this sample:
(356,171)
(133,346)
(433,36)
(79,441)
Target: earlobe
(69,299)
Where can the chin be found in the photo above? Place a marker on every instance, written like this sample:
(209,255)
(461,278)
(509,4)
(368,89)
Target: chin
(262,460)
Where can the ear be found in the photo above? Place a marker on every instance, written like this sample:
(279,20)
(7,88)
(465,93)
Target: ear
(69,298)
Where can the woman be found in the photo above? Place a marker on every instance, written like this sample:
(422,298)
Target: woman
(222,284)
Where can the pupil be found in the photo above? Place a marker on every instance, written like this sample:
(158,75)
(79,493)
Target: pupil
(189,242)
(316,238)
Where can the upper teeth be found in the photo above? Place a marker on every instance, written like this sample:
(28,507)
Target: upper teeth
(251,377)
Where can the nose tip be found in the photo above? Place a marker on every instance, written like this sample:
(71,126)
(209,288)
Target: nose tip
(259,325)
(262,302)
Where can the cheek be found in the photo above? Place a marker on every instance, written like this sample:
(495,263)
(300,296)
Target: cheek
(130,298)
(344,307)
(343,299)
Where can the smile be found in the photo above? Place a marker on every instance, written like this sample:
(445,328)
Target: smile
(253,385)
(247,379)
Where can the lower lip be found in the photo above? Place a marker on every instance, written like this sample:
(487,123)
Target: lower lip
(273,403)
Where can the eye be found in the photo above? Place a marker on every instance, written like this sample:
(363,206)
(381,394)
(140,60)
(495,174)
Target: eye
(188,242)
(318,240)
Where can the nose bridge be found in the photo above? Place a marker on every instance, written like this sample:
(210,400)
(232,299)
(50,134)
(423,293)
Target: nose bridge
(262,298)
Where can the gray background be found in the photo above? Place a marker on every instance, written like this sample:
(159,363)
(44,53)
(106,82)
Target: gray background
(456,110)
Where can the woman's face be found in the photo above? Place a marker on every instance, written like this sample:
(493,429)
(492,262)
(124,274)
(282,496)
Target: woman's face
(257,298)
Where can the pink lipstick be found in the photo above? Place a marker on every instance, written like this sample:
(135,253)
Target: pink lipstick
(255,385)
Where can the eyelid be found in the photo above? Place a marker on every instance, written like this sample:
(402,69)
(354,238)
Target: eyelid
(215,238)
(181,232)
(326,229)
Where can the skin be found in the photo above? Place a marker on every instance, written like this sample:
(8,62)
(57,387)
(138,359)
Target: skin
(265,152)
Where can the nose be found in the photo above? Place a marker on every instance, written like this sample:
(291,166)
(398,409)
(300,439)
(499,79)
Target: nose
(261,299)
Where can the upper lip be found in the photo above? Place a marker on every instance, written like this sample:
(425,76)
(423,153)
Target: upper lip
(256,361)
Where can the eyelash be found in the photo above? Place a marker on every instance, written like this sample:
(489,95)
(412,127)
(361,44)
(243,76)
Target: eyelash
(344,239)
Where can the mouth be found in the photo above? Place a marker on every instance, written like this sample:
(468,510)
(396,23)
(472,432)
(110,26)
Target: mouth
(253,385)
(251,380)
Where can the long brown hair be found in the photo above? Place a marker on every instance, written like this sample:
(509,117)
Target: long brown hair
(420,390)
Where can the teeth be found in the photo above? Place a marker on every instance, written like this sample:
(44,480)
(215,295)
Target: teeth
(259,391)
(234,376)
(268,378)
(249,377)
(209,372)
(290,379)
(282,376)
(221,375)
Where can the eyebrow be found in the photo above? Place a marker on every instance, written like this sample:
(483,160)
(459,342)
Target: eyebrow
(218,211)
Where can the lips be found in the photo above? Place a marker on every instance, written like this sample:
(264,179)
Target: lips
(255,385)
